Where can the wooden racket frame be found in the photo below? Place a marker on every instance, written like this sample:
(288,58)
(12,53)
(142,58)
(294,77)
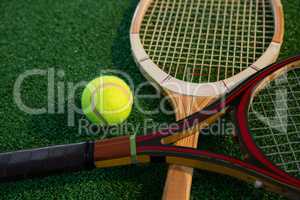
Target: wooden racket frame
(188,98)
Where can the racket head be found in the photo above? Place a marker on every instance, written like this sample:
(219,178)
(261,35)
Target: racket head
(262,170)
(268,120)
(166,42)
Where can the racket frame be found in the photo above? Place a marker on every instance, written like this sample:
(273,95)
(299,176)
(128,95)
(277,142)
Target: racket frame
(241,118)
(187,97)
(216,89)
(156,147)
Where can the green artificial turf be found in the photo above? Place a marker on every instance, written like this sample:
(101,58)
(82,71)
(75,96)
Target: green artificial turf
(85,38)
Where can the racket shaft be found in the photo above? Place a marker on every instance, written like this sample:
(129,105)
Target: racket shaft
(43,161)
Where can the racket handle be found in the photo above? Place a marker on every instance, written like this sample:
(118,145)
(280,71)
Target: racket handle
(108,149)
(44,161)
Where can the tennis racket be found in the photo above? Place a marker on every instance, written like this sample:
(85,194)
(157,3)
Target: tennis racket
(196,50)
(265,107)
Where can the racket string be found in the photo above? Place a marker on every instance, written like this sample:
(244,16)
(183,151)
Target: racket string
(186,74)
(274,121)
(206,40)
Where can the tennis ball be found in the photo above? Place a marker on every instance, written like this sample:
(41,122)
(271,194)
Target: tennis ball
(107,100)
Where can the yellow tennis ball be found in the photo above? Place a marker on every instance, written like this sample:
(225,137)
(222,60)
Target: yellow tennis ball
(107,100)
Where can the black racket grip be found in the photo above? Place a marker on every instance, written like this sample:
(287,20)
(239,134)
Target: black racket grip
(45,161)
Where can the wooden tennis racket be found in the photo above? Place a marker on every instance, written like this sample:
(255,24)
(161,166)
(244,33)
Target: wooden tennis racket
(196,50)
(265,107)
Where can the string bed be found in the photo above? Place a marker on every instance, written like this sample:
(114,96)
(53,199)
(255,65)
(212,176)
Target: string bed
(274,121)
(206,40)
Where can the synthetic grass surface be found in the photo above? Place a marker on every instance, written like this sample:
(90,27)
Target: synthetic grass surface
(84,38)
